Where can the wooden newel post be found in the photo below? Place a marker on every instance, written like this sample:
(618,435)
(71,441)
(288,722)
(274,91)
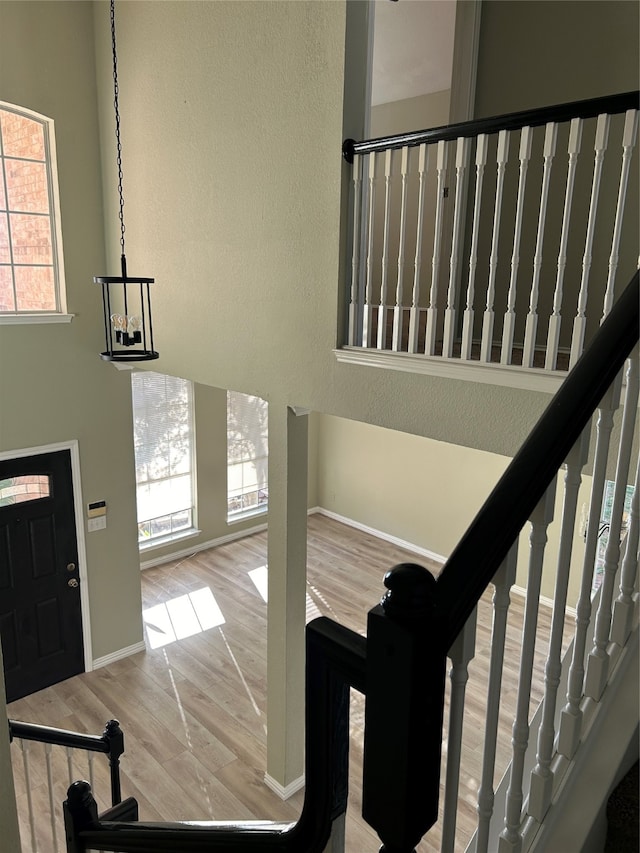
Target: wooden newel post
(80,812)
(404,708)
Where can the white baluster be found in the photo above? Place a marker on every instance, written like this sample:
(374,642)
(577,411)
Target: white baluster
(571,717)
(553,338)
(461,652)
(503,581)
(52,802)
(511,836)
(598,661)
(432,310)
(353,337)
(623,609)
(628,142)
(467,321)
(382,308)
(90,758)
(367,323)
(531,328)
(398,312)
(580,322)
(508,328)
(414,315)
(25,749)
(462,163)
(542,775)
(487,324)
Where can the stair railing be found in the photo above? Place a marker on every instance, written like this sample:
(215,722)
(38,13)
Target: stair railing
(496,240)
(109,743)
(420,621)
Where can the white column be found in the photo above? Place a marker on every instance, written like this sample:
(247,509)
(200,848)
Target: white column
(580,322)
(462,651)
(542,774)
(598,662)
(511,836)
(432,310)
(550,139)
(624,607)
(508,328)
(462,163)
(367,322)
(571,717)
(353,337)
(487,324)
(414,315)
(628,142)
(553,337)
(398,308)
(467,320)
(287,554)
(503,580)
(382,308)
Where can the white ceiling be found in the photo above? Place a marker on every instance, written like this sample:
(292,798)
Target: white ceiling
(412,48)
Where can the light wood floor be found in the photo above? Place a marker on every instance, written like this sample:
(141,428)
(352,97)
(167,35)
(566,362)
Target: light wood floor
(193,710)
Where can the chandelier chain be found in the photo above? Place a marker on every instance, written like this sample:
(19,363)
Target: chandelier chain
(117,112)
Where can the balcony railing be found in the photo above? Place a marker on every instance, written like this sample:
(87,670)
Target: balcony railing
(495,241)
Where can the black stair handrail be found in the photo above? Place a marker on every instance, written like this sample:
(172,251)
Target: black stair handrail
(590,108)
(110,743)
(400,666)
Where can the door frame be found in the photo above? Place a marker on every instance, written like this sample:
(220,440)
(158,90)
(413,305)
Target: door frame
(73,448)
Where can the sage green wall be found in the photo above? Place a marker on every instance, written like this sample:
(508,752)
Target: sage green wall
(233,203)
(53,385)
(425,492)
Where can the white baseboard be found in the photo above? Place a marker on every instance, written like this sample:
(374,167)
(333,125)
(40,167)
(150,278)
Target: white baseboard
(380,534)
(521,592)
(119,655)
(202,546)
(284,792)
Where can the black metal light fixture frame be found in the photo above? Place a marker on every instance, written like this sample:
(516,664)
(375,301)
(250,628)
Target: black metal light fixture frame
(127,337)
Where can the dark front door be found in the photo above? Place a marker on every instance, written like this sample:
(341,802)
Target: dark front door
(40,611)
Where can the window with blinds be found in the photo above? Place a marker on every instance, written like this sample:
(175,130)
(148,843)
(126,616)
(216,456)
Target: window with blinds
(163,426)
(247,454)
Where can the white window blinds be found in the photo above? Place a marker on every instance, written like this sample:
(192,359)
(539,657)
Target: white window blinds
(247,453)
(164,447)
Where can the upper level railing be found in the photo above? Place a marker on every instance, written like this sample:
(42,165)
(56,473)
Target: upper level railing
(422,620)
(495,241)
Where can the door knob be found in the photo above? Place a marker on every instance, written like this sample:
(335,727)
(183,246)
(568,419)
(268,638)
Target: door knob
(71,567)
(72,582)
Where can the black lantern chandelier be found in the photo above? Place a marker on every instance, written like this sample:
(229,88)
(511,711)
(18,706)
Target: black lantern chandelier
(126,300)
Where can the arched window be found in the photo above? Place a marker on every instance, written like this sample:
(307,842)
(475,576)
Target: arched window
(31,268)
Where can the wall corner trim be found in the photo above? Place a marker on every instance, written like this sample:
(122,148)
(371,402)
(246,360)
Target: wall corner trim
(284,791)
(126,652)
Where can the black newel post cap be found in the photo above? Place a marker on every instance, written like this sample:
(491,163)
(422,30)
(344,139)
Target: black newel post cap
(412,590)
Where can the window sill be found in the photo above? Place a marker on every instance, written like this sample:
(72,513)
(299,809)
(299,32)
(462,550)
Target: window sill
(248,513)
(161,541)
(34,319)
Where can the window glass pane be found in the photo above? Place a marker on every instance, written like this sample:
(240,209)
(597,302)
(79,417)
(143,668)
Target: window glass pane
(21,136)
(247,452)
(35,289)
(7,302)
(31,239)
(5,254)
(27,186)
(28,235)
(31,487)
(163,443)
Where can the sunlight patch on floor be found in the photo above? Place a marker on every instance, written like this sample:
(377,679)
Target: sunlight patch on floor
(181,617)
